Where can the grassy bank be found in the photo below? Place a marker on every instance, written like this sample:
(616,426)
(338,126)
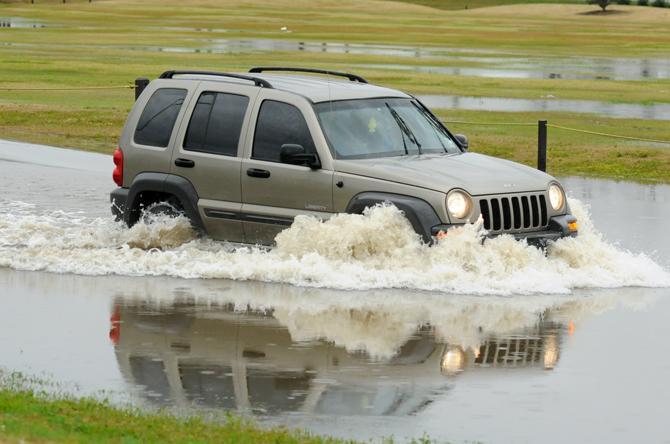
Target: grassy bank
(109,43)
(26,417)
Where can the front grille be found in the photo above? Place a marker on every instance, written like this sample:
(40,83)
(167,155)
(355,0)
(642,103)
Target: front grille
(512,352)
(514,213)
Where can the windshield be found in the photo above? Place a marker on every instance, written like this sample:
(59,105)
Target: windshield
(360,129)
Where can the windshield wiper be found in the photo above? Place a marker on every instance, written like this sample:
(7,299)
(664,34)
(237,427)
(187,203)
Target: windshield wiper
(402,132)
(404,128)
(436,125)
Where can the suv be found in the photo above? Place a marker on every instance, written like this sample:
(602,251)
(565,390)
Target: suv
(241,155)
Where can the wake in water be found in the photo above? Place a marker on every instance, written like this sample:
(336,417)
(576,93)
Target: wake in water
(376,250)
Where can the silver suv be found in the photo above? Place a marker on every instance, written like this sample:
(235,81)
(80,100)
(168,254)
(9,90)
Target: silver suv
(242,154)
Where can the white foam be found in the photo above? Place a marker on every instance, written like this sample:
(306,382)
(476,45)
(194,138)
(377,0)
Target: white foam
(375,250)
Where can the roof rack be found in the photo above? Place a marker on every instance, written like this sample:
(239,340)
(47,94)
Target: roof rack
(257,81)
(352,77)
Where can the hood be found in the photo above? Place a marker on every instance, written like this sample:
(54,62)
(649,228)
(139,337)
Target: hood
(475,173)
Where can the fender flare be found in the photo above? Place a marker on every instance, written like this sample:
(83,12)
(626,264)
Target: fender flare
(177,186)
(421,214)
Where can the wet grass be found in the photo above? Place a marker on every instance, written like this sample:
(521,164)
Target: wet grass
(29,417)
(104,43)
(35,409)
(473,4)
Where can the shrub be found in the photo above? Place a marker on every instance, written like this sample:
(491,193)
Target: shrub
(659,3)
(643,2)
(623,2)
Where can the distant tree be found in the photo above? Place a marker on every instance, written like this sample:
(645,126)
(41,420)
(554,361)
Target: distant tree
(602,3)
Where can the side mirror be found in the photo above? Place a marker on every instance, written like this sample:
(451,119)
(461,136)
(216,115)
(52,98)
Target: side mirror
(297,155)
(462,141)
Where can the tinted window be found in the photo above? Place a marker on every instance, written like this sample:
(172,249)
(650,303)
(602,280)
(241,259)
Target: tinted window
(157,119)
(279,123)
(216,123)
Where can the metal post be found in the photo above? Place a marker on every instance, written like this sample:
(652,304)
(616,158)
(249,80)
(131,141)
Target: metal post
(140,84)
(542,145)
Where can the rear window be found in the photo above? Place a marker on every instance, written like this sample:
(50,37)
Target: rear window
(278,124)
(216,123)
(157,120)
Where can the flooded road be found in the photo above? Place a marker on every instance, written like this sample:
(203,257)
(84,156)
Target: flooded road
(572,361)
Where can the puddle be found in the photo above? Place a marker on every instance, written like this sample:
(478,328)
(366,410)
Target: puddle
(568,69)
(17,22)
(658,111)
(189,29)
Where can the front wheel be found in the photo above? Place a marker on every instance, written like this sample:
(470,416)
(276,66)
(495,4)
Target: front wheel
(170,207)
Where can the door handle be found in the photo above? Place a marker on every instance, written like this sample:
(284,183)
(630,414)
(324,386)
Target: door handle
(255,172)
(185,163)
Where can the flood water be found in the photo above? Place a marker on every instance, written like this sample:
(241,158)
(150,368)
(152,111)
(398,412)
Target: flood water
(572,361)
(657,111)
(18,22)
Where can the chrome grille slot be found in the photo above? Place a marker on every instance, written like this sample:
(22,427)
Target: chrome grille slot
(543,210)
(517,213)
(495,214)
(536,213)
(507,216)
(514,213)
(526,212)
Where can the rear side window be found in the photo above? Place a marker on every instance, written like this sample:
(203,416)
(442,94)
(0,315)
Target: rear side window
(216,123)
(279,123)
(157,119)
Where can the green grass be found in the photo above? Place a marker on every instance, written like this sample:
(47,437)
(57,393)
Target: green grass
(571,153)
(29,417)
(108,43)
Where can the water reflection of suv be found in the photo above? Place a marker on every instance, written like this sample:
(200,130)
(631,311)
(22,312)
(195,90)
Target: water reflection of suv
(214,357)
(242,154)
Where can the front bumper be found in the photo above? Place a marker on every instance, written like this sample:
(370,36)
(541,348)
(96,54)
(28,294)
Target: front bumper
(558,228)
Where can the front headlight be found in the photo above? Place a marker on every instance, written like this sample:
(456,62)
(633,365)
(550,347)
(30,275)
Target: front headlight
(459,204)
(556,197)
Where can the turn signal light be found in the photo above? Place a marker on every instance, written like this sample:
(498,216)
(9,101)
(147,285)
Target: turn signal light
(117,174)
(572,226)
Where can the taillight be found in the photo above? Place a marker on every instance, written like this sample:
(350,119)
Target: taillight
(117,175)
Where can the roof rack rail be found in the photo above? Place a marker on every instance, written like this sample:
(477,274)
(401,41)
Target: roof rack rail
(352,77)
(258,82)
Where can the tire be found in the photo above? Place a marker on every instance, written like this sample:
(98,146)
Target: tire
(170,207)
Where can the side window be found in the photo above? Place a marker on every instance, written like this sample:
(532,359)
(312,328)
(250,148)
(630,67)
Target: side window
(157,120)
(216,123)
(279,123)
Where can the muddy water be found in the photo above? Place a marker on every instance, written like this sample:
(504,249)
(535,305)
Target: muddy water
(582,364)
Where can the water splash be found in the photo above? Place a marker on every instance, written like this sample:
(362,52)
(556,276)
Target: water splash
(378,249)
